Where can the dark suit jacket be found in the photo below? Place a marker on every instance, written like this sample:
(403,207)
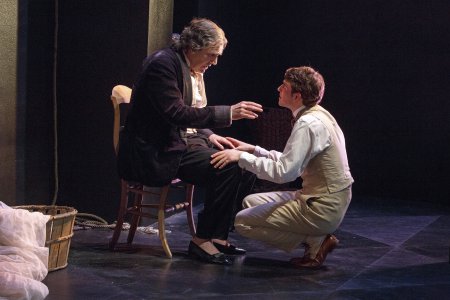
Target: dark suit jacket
(153,139)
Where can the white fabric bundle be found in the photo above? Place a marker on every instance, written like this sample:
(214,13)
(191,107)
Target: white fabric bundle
(23,255)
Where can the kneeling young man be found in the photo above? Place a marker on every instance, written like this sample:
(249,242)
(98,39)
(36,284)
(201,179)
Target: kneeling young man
(315,151)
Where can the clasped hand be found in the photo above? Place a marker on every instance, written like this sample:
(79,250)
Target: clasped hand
(222,158)
(220,142)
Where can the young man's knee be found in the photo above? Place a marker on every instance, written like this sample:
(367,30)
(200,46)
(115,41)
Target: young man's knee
(250,201)
(239,225)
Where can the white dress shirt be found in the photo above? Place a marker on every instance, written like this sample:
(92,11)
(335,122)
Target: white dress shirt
(308,138)
(198,93)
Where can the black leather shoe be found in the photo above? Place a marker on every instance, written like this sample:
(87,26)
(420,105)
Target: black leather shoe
(218,258)
(229,249)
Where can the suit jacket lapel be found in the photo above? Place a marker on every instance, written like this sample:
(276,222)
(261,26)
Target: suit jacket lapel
(187,88)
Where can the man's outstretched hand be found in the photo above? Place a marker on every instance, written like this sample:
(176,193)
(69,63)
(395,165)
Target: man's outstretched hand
(245,110)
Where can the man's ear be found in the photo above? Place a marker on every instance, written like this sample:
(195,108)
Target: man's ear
(298,97)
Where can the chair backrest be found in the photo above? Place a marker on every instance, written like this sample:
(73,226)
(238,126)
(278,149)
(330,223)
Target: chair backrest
(120,94)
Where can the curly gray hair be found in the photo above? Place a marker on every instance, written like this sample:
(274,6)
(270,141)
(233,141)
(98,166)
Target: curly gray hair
(201,33)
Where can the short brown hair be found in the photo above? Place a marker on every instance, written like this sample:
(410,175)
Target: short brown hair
(308,82)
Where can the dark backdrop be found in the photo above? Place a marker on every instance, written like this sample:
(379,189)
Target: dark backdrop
(386,66)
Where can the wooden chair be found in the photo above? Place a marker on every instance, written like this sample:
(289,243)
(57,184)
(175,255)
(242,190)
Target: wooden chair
(121,95)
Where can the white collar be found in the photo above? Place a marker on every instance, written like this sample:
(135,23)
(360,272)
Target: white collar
(295,112)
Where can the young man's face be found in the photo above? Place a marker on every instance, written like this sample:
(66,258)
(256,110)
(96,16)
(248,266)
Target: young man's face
(288,99)
(202,59)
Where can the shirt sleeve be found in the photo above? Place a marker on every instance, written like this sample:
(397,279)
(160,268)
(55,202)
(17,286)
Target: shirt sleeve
(308,138)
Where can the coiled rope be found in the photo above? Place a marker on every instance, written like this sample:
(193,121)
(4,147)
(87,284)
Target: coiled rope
(86,221)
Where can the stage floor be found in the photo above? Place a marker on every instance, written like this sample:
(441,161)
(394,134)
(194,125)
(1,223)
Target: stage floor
(388,250)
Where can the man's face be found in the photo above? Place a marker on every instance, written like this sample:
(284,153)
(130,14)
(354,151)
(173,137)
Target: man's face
(202,59)
(286,98)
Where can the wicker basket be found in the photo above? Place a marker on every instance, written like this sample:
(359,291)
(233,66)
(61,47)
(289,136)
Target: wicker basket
(59,232)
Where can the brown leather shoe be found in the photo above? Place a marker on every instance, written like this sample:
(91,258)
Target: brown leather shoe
(329,243)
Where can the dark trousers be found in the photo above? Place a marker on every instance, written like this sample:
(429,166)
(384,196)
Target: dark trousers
(225,188)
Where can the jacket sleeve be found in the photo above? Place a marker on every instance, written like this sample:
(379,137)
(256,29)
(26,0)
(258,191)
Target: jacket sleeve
(162,85)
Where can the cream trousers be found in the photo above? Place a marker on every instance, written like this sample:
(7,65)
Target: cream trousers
(285,219)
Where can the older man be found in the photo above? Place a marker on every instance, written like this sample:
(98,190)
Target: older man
(166,135)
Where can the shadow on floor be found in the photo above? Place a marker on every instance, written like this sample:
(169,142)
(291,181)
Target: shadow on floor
(388,250)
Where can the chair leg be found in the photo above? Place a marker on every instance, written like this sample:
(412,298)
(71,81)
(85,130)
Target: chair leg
(161,220)
(121,215)
(189,211)
(135,218)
